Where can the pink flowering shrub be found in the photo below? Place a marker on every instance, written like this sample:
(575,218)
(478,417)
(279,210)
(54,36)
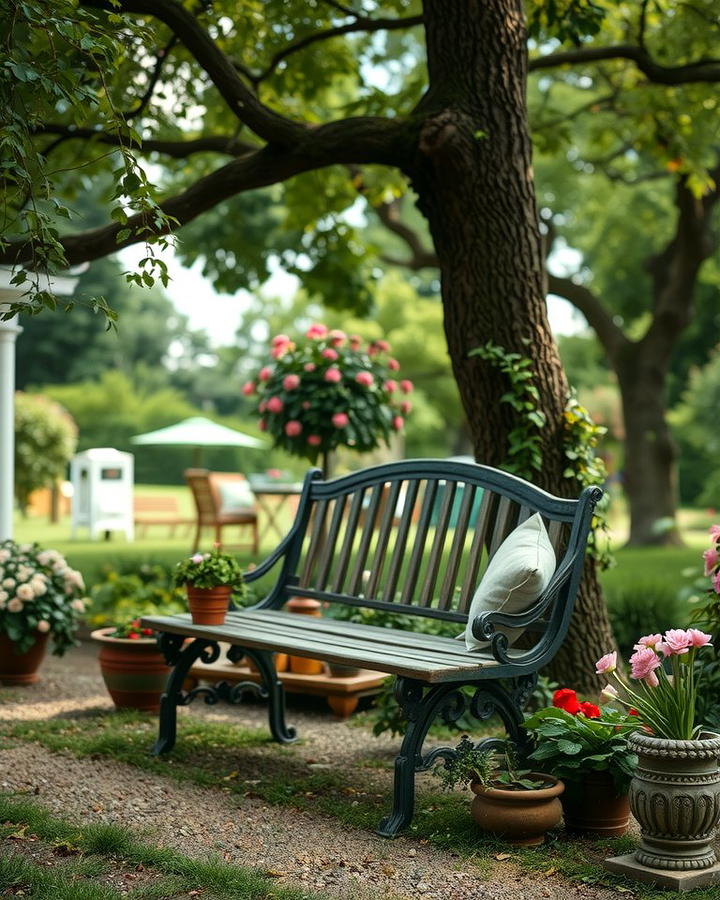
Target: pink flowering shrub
(327,390)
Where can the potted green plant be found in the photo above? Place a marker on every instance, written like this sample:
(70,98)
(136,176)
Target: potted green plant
(133,668)
(517,804)
(587,747)
(675,793)
(210,580)
(40,597)
(328,389)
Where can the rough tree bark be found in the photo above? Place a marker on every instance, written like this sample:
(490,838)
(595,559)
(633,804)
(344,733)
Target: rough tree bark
(473,177)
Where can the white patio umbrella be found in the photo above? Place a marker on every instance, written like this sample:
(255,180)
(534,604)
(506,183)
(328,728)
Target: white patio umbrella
(198,432)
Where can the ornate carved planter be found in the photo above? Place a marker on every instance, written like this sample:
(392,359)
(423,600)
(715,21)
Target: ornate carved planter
(21,668)
(522,817)
(675,796)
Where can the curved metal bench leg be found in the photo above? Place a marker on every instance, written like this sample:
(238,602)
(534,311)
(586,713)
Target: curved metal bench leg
(181,658)
(273,688)
(508,702)
(420,711)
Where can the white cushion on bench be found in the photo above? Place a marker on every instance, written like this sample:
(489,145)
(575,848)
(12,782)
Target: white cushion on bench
(235,496)
(517,574)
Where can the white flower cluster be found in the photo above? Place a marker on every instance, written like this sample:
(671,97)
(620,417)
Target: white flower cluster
(28,574)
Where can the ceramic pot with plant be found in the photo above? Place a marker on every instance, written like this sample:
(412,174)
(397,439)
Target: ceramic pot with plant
(40,597)
(211,580)
(587,747)
(517,804)
(133,668)
(675,793)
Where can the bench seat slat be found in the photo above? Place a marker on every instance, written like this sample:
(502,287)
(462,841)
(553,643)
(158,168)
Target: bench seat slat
(418,662)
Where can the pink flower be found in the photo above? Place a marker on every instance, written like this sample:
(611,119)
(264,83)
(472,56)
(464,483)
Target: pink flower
(264,373)
(330,354)
(281,349)
(262,425)
(316,331)
(677,640)
(365,379)
(333,375)
(607,663)
(290,382)
(405,407)
(309,367)
(698,638)
(608,694)
(197,558)
(714,532)
(279,340)
(716,583)
(275,405)
(406,385)
(337,337)
(390,385)
(650,640)
(355,341)
(293,428)
(314,440)
(393,365)
(398,422)
(340,420)
(306,404)
(262,406)
(382,346)
(644,662)
(711,560)
(249,388)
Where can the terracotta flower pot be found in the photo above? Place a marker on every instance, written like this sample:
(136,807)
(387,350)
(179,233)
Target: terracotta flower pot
(675,796)
(520,816)
(593,806)
(21,668)
(208,606)
(134,671)
(301,665)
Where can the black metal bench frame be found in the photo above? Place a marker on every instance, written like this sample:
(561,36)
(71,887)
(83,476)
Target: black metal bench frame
(323,557)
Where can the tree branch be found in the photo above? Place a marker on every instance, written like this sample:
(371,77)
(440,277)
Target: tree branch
(177,149)
(354,141)
(161,56)
(704,70)
(266,123)
(582,298)
(361,23)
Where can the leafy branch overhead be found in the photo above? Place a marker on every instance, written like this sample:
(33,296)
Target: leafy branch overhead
(227,99)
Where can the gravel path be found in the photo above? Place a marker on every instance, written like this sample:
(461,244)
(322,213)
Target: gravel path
(297,848)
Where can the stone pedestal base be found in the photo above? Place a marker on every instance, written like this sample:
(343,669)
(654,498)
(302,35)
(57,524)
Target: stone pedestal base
(675,881)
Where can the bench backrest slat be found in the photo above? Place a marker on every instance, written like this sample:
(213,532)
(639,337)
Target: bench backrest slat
(401,537)
(341,567)
(418,552)
(447,591)
(329,541)
(379,492)
(383,541)
(427,594)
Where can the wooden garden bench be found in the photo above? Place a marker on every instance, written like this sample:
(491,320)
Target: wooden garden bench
(410,537)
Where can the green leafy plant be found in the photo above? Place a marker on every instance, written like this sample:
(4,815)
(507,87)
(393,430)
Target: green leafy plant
(147,590)
(39,594)
(209,570)
(570,745)
(490,768)
(328,390)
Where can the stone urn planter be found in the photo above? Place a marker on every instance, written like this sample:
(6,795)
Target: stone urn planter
(522,817)
(208,606)
(675,796)
(134,671)
(21,668)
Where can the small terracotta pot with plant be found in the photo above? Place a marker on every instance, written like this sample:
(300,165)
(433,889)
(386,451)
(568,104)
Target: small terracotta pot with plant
(211,580)
(517,804)
(132,666)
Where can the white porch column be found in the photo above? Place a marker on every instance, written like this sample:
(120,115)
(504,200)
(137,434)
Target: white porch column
(8,333)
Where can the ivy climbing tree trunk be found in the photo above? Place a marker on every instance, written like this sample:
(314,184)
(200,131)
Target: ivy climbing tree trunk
(473,177)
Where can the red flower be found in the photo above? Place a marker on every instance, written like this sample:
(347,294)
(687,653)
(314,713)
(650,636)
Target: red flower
(633,712)
(589,710)
(133,636)
(147,631)
(567,700)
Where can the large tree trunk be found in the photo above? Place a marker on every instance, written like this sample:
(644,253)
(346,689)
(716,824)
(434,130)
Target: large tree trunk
(649,470)
(474,182)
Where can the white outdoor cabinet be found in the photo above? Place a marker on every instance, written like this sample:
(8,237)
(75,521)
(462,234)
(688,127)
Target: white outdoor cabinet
(102,480)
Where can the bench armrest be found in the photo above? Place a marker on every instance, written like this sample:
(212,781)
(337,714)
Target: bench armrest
(484,626)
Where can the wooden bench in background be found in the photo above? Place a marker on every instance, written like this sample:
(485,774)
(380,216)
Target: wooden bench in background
(410,537)
(159,510)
